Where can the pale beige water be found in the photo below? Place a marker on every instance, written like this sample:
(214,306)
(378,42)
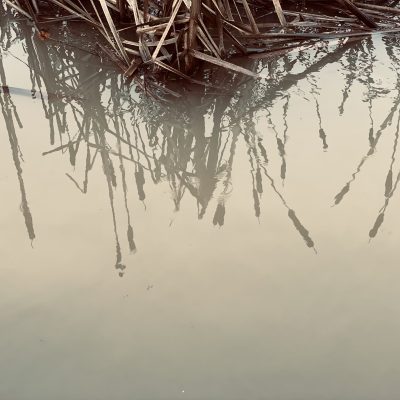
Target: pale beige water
(267,307)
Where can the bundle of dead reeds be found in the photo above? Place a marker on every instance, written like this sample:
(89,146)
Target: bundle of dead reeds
(175,34)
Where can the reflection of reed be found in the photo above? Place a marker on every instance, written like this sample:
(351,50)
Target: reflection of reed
(390,185)
(387,122)
(93,116)
(255,159)
(10,115)
(315,94)
(373,137)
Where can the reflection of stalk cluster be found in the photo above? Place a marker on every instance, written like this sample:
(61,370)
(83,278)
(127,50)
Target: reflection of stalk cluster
(366,53)
(94,118)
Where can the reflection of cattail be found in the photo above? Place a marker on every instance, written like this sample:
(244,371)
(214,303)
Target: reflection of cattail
(301,229)
(219,215)
(339,196)
(283,169)
(322,135)
(118,264)
(131,241)
(140,181)
(259,181)
(389,183)
(256,203)
(377,225)
(72,154)
(281,147)
(371,136)
(263,151)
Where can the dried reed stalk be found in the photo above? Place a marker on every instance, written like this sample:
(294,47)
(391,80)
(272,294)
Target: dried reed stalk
(185,32)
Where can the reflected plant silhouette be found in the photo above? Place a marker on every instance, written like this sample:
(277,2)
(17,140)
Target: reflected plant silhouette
(374,91)
(183,134)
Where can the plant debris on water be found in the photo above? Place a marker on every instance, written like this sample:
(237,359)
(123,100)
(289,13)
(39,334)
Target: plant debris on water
(178,35)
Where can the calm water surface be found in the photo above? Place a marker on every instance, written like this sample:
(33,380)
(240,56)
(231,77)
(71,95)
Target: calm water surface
(242,245)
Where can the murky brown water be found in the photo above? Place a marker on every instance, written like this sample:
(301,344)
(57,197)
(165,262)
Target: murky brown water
(243,246)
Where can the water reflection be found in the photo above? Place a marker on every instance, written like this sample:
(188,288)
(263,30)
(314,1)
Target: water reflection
(373,92)
(11,118)
(95,117)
